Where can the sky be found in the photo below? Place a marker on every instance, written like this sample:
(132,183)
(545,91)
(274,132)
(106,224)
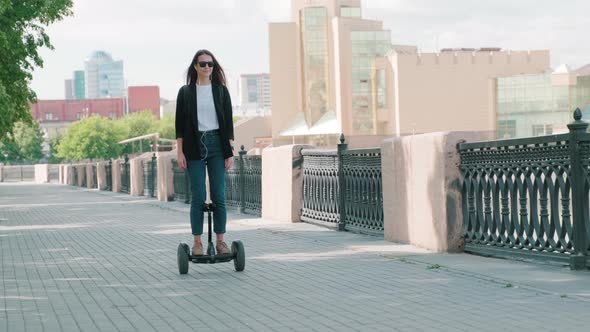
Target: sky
(156,39)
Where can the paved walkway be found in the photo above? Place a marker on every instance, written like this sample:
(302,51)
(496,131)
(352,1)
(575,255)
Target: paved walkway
(73,259)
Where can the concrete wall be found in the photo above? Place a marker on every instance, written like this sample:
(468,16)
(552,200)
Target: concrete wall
(116,173)
(166,176)
(245,131)
(89,176)
(422,189)
(101,175)
(282,184)
(41,173)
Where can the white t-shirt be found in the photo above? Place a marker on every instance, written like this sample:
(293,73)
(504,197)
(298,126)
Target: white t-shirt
(206,108)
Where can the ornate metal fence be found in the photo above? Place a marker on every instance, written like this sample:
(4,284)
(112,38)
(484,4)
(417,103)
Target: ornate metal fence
(109,175)
(529,197)
(252,183)
(125,175)
(19,173)
(53,173)
(243,184)
(233,193)
(94,177)
(363,192)
(82,176)
(321,192)
(181,183)
(150,175)
(74,175)
(343,189)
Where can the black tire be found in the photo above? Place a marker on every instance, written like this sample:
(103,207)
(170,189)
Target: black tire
(183,258)
(237,249)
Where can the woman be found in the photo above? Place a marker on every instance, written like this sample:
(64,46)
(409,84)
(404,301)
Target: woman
(204,135)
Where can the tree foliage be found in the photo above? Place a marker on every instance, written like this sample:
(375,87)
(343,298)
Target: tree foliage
(24,144)
(166,127)
(22,33)
(91,138)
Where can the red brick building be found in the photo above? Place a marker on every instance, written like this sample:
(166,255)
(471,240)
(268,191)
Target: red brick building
(144,98)
(73,110)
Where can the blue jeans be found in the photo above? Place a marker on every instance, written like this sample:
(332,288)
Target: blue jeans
(212,159)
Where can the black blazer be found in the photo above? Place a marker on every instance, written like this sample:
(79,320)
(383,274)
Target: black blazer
(187,120)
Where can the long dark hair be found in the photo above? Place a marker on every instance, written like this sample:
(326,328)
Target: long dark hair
(217,76)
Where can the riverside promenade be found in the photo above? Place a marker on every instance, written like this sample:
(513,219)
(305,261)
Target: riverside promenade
(74,259)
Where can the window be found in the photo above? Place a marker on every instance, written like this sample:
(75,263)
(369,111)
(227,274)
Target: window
(350,11)
(112,115)
(540,130)
(78,116)
(506,129)
(252,97)
(48,116)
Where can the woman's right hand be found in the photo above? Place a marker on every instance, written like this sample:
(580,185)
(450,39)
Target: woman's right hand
(181,160)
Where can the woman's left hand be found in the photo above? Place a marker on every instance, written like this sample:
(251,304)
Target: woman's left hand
(229,162)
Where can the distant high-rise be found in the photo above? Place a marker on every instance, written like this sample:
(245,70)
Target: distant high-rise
(79,85)
(104,76)
(69,87)
(255,94)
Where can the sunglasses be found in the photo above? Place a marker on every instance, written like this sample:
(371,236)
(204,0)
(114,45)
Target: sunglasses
(203,64)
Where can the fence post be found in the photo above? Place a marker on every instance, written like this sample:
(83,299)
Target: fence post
(242,180)
(153,179)
(579,199)
(127,176)
(341,184)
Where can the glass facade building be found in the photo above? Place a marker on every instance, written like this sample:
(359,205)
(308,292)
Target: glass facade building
(366,46)
(103,76)
(79,85)
(110,80)
(532,105)
(314,41)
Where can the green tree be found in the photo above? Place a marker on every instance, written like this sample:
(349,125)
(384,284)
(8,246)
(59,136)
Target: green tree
(24,144)
(91,138)
(22,33)
(166,126)
(138,124)
(53,143)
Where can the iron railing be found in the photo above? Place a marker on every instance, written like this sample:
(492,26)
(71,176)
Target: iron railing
(53,173)
(74,171)
(125,175)
(82,175)
(363,192)
(529,197)
(233,192)
(18,173)
(94,177)
(150,175)
(243,184)
(181,183)
(343,189)
(321,190)
(109,175)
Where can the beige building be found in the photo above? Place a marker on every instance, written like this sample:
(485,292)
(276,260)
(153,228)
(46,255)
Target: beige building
(448,91)
(333,71)
(254,95)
